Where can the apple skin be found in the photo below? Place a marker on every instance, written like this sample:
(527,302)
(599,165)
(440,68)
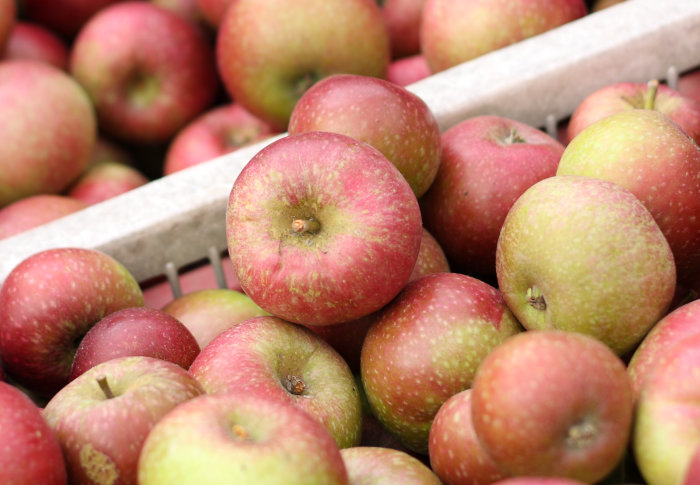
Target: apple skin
(101,436)
(8,19)
(403,18)
(407,70)
(538,481)
(583,254)
(269,356)
(33,41)
(208,312)
(456,31)
(435,332)
(238,437)
(132,332)
(363,250)
(218,131)
(625,96)
(487,163)
(148,71)
(48,302)
(31,451)
(270,51)
(456,455)
(53,129)
(213,11)
(647,153)
(378,112)
(553,403)
(105,180)
(666,433)
(385,466)
(35,210)
(65,17)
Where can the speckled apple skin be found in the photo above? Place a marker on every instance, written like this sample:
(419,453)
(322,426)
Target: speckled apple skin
(35,210)
(377,465)
(369,237)
(645,152)
(426,345)
(553,403)
(594,253)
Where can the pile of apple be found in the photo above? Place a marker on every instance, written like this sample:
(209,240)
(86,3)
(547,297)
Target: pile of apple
(482,305)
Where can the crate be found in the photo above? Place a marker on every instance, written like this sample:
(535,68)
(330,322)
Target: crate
(179,220)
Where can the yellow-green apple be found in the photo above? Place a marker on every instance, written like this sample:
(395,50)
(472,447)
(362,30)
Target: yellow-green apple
(625,96)
(681,323)
(48,302)
(378,112)
(147,70)
(456,31)
(272,357)
(487,163)
(407,70)
(208,312)
(403,19)
(425,346)
(583,254)
(322,228)
(553,403)
(666,430)
(215,132)
(238,437)
(65,17)
(102,417)
(31,452)
(455,453)
(644,151)
(32,41)
(379,465)
(271,51)
(136,331)
(53,129)
(35,210)
(102,181)
(8,19)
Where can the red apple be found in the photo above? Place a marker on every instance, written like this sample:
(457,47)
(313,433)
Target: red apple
(431,257)
(389,117)
(102,181)
(407,70)
(271,357)
(425,346)
(31,452)
(216,132)
(487,163)
(135,331)
(189,10)
(148,71)
(33,41)
(65,17)
(8,19)
(403,19)
(322,228)
(271,51)
(213,10)
(53,129)
(35,210)
(376,464)
(48,302)
(103,417)
(553,403)
(689,84)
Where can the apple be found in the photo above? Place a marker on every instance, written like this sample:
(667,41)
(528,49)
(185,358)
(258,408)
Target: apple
(238,437)
(425,346)
(189,10)
(647,153)
(272,357)
(431,257)
(216,132)
(35,210)
(31,452)
(625,96)
(208,312)
(322,228)
(271,51)
(53,129)
(376,464)
(407,70)
(102,181)
(487,163)
(103,416)
(48,302)
(148,71)
(378,112)
(403,19)
(666,434)
(583,254)
(8,19)
(599,5)
(135,331)
(553,403)
(455,453)
(538,481)
(456,31)
(65,17)
(213,11)
(689,84)
(106,150)
(692,472)
(33,41)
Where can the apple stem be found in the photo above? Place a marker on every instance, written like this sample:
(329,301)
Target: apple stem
(301,226)
(650,98)
(535,298)
(102,381)
(240,432)
(294,385)
(513,137)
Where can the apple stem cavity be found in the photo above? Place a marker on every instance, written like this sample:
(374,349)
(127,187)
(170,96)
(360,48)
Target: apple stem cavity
(102,381)
(306,226)
(650,98)
(513,137)
(294,385)
(535,298)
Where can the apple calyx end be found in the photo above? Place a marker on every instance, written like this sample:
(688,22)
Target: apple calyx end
(581,434)
(104,386)
(650,97)
(306,226)
(240,432)
(535,298)
(294,385)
